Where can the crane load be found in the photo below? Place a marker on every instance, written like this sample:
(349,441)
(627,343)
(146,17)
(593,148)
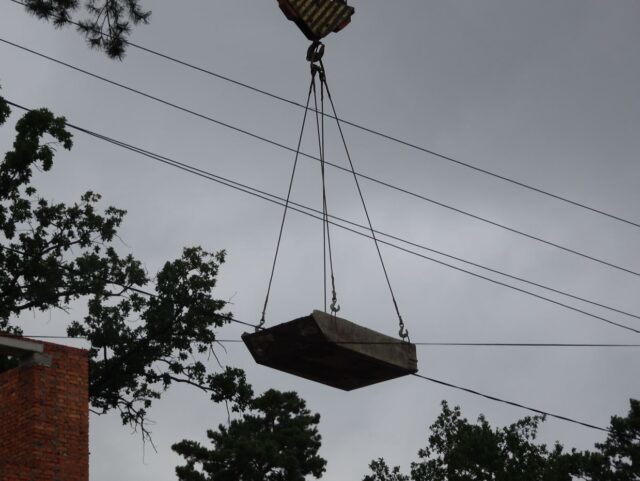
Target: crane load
(317,18)
(321,346)
(333,351)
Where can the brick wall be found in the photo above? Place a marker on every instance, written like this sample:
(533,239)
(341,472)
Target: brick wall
(44,419)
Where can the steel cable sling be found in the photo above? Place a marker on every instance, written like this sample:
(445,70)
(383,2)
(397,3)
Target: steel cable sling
(316,71)
(286,206)
(314,56)
(326,235)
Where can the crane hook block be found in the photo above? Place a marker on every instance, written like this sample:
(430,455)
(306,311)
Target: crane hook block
(332,351)
(317,18)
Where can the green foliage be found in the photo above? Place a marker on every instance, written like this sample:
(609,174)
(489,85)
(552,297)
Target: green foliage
(382,472)
(462,451)
(53,254)
(459,450)
(106,28)
(276,440)
(4,111)
(618,458)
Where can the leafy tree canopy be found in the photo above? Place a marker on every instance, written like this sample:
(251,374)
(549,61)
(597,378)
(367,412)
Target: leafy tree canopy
(52,254)
(105,24)
(462,451)
(275,440)
(618,458)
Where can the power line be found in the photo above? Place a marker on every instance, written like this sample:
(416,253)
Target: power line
(454,386)
(502,178)
(511,403)
(309,212)
(127,287)
(367,129)
(422,344)
(279,201)
(336,166)
(520,279)
(402,332)
(286,205)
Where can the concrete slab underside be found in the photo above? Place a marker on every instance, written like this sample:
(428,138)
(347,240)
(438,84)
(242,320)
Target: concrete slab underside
(332,351)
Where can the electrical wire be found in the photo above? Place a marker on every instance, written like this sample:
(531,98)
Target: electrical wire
(402,332)
(124,286)
(326,231)
(369,178)
(369,130)
(511,403)
(493,398)
(333,165)
(309,212)
(286,205)
(454,386)
(421,344)
(450,385)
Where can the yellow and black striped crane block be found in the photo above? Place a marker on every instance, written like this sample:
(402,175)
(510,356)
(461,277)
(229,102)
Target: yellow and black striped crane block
(317,18)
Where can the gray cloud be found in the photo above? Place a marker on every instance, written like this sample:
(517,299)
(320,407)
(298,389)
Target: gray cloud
(545,92)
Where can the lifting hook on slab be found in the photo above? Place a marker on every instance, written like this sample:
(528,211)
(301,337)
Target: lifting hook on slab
(335,307)
(403,332)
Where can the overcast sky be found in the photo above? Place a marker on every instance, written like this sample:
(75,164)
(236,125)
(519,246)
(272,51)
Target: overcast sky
(545,92)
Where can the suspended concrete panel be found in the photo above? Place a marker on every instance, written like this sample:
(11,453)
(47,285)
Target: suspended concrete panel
(332,351)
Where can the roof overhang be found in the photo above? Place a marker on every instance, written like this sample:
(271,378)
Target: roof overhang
(29,352)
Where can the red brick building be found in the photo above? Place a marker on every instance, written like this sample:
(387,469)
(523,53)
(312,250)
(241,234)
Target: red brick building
(44,412)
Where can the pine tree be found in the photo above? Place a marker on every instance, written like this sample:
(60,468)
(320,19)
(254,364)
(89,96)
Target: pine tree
(275,440)
(105,24)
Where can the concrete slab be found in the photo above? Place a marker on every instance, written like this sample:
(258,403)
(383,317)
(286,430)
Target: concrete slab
(332,351)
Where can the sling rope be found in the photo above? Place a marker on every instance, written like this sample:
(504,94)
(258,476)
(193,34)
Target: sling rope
(402,332)
(286,206)
(326,234)
(314,56)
